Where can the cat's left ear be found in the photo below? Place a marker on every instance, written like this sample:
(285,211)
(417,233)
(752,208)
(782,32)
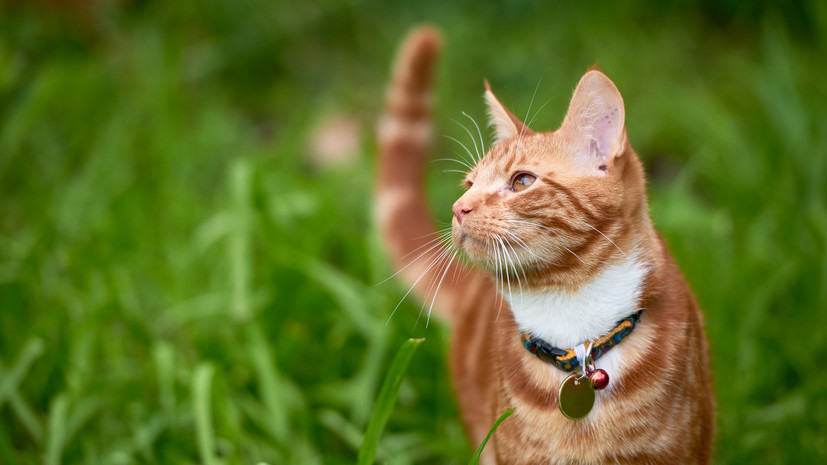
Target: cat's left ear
(596,121)
(505,124)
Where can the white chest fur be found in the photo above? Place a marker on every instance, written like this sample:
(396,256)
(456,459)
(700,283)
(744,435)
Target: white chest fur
(567,319)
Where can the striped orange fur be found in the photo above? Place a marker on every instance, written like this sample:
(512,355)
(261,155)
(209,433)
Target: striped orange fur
(556,227)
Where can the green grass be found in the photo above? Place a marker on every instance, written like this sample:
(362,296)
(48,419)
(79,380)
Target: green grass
(475,459)
(180,283)
(385,401)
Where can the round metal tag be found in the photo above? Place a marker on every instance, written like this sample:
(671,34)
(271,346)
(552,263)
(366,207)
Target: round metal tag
(576,397)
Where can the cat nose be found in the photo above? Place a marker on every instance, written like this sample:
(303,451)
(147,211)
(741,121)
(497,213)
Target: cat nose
(460,210)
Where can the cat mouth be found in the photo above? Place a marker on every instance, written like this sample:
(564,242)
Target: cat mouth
(478,249)
(472,246)
(499,254)
(463,239)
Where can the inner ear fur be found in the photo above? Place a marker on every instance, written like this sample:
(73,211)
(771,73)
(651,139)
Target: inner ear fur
(596,120)
(505,124)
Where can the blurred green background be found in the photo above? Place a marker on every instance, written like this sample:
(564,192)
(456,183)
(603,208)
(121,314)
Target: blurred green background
(184,280)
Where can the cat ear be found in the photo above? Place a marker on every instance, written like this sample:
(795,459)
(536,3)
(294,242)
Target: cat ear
(596,120)
(505,124)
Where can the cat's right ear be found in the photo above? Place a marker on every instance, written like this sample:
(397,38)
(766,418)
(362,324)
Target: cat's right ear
(505,124)
(596,121)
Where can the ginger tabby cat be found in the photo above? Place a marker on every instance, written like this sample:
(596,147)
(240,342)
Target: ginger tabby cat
(557,225)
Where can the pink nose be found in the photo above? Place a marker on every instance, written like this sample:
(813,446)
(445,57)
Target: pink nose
(460,210)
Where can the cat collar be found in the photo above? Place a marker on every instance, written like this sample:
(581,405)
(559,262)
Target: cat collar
(566,359)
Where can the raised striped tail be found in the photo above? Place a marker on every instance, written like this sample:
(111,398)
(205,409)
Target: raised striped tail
(407,118)
(404,138)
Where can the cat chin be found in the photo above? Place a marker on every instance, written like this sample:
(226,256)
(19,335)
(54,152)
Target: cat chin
(474,250)
(483,254)
(494,265)
(477,252)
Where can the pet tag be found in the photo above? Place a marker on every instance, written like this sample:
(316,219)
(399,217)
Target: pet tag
(576,397)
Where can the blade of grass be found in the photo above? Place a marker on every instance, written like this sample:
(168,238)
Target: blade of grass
(341,427)
(24,412)
(239,245)
(57,429)
(201,381)
(269,384)
(11,381)
(83,409)
(476,458)
(386,400)
(15,376)
(27,416)
(163,354)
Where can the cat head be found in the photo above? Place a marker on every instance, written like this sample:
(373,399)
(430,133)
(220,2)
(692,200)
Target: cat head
(545,203)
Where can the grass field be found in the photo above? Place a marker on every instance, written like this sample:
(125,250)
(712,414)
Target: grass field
(180,282)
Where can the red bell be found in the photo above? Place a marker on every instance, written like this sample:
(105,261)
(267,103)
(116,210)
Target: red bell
(599,379)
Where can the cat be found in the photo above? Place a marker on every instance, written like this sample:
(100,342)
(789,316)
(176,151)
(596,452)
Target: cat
(563,252)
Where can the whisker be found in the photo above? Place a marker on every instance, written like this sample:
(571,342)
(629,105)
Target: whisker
(470,161)
(527,249)
(534,95)
(549,229)
(516,238)
(517,275)
(473,160)
(440,241)
(482,143)
(424,273)
(447,267)
(441,232)
(498,273)
(506,243)
(473,141)
(434,280)
(455,161)
(509,261)
(607,237)
(536,113)
(525,125)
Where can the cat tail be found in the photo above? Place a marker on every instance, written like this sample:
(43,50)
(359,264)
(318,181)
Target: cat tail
(404,138)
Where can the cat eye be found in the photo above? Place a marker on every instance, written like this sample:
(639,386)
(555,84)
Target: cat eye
(522,181)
